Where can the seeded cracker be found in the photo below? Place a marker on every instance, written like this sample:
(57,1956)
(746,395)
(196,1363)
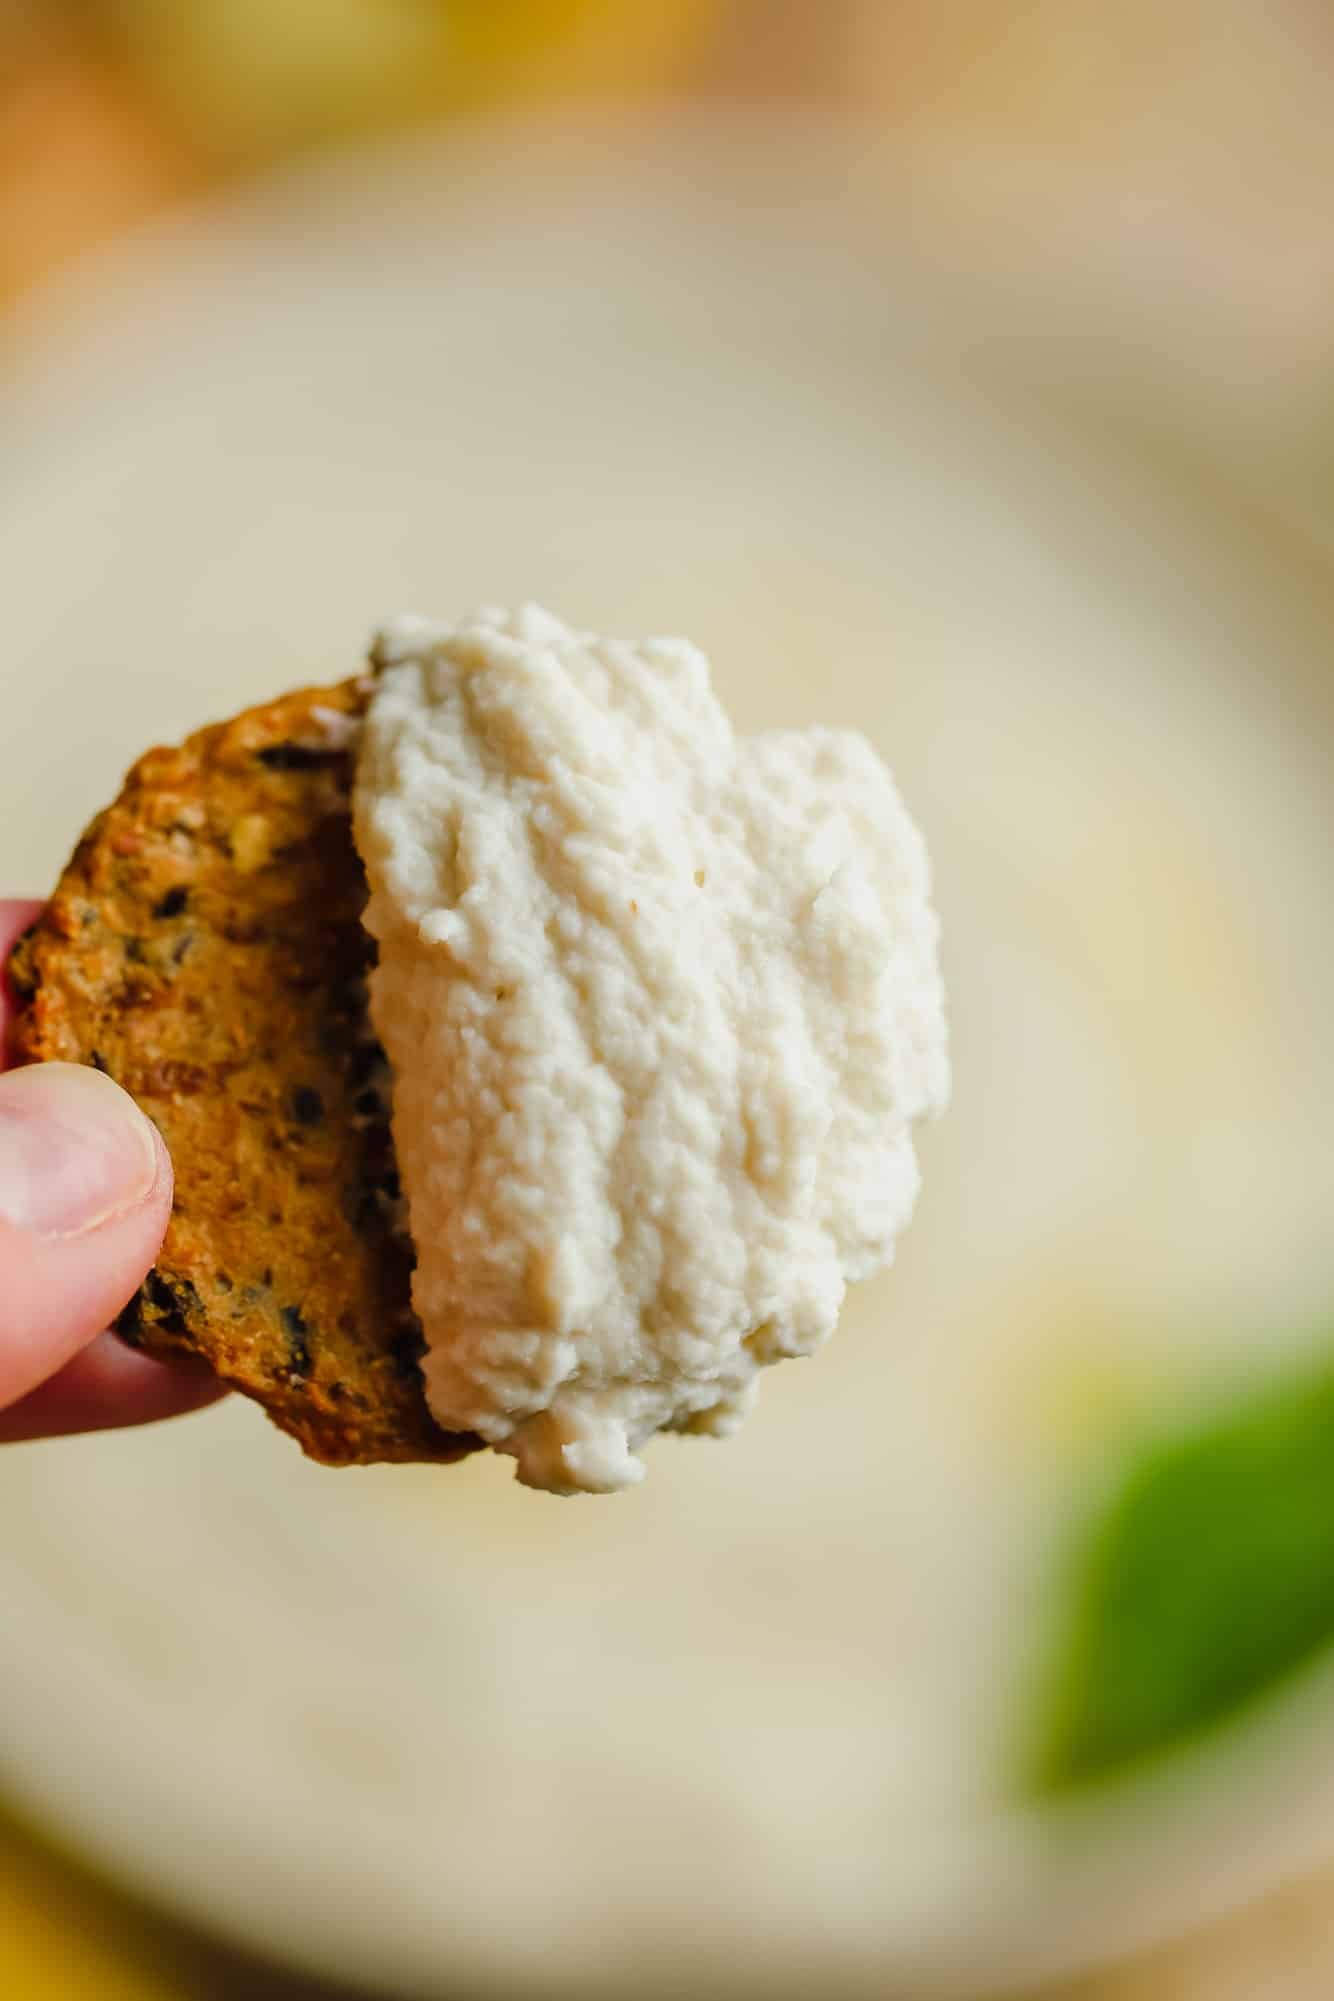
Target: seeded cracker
(204,947)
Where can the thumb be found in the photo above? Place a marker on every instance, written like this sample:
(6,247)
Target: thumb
(85,1192)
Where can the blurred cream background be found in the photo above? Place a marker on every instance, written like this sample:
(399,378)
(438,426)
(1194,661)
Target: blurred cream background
(1159,176)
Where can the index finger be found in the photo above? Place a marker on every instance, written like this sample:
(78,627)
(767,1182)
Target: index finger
(16,914)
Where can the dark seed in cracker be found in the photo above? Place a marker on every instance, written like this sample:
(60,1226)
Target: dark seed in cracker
(301,757)
(298,1348)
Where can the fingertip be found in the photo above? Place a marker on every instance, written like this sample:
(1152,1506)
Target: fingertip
(108,1386)
(85,1197)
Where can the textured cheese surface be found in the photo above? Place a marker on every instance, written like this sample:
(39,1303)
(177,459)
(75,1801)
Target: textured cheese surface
(662,1004)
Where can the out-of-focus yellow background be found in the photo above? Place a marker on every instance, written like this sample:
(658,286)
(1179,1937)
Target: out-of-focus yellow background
(1183,142)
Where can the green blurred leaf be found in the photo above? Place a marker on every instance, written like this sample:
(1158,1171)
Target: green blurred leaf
(1207,1578)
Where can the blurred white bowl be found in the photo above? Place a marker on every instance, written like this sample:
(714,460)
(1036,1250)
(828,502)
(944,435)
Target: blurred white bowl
(744,1727)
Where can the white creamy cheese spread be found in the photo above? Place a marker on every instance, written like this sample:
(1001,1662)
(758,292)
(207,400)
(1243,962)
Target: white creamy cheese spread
(661,1005)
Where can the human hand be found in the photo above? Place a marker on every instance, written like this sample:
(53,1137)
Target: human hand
(85,1193)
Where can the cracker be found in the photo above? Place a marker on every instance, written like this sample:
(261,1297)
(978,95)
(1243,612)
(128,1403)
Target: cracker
(205,948)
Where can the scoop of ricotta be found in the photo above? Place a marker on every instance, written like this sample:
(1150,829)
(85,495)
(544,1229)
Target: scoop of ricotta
(661,1005)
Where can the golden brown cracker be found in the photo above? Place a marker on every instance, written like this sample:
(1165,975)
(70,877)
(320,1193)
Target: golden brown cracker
(205,948)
